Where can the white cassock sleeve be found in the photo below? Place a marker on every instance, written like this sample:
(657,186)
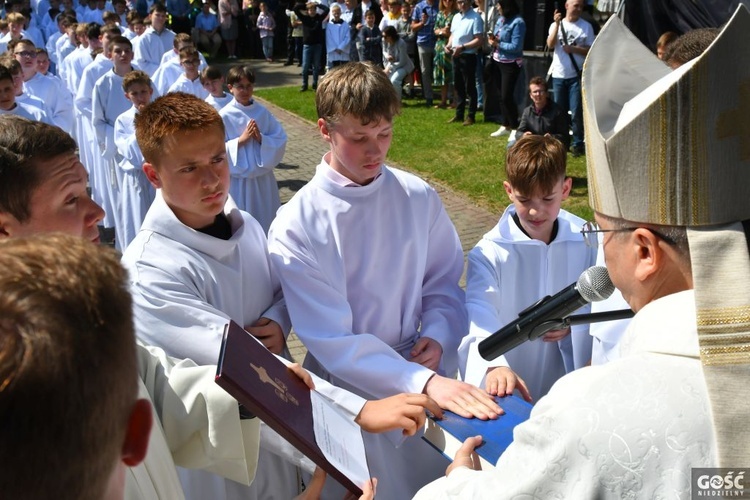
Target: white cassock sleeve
(127,145)
(483,301)
(200,420)
(104,130)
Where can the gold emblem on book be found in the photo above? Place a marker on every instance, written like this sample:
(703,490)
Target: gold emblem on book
(279,387)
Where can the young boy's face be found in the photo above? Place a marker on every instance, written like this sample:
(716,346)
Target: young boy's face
(121,55)
(242,91)
(139,94)
(215,87)
(336,13)
(538,212)
(42,63)
(370,20)
(193,175)
(357,151)
(190,65)
(139,28)
(18,82)
(7,94)
(26,55)
(15,28)
(59,203)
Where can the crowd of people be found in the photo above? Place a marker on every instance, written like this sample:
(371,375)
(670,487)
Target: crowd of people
(363,262)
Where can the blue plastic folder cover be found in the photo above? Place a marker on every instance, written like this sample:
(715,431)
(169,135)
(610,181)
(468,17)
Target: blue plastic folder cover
(448,434)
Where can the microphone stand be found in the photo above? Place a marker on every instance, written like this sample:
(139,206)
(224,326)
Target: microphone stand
(579,319)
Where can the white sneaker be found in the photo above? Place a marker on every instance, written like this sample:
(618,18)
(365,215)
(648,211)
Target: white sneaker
(500,132)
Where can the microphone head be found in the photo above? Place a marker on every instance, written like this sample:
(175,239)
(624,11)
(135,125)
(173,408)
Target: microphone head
(594,284)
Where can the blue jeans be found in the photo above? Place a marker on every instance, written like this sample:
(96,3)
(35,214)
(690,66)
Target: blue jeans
(311,57)
(568,97)
(267,42)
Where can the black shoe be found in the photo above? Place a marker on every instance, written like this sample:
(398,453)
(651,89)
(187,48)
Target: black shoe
(303,89)
(315,86)
(288,63)
(428,103)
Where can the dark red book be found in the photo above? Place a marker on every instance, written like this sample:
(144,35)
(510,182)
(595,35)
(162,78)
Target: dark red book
(267,388)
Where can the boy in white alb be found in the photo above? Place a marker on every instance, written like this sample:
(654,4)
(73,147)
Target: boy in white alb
(213,82)
(169,69)
(190,80)
(136,192)
(8,104)
(155,42)
(109,102)
(198,261)
(256,142)
(370,262)
(535,250)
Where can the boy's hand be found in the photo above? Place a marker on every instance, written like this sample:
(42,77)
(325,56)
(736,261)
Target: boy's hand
(427,352)
(303,374)
(251,132)
(466,456)
(501,381)
(462,398)
(555,335)
(269,333)
(315,488)
(402,411)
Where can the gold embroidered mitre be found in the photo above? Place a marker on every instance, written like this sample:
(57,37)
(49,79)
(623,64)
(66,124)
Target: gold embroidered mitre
(673,148)
(668,147)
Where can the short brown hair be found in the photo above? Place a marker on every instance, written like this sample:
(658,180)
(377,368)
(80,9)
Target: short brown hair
(187,53)
(168,115)
(118,40)
(181,38)
(535,164)
(133,77)
(237,73)
(25,143)
(211,73)
(538,80)
(359,89)
(68,372)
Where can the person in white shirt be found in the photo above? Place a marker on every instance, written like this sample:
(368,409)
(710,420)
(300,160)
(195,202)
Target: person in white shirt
(213,81)
(338,38)
(169,69)
(190,80)
(8,104)
(155,42)
(108,101)
(256,142)
(57,99)
(136,192)
(369,262)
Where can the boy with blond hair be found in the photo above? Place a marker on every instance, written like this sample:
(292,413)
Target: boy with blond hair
(256,142)
(369,262)
(536,249)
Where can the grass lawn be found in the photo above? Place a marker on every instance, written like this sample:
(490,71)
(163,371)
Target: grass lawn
(466,159)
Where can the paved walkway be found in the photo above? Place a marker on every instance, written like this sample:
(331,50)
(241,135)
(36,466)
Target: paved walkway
(305,148)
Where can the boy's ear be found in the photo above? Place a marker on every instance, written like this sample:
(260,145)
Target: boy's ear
(567,186)
(7,223)
(140,421)
(152,175)
(508,189)
(323,127)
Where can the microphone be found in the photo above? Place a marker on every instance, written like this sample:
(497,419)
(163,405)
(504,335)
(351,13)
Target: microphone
(593,285)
